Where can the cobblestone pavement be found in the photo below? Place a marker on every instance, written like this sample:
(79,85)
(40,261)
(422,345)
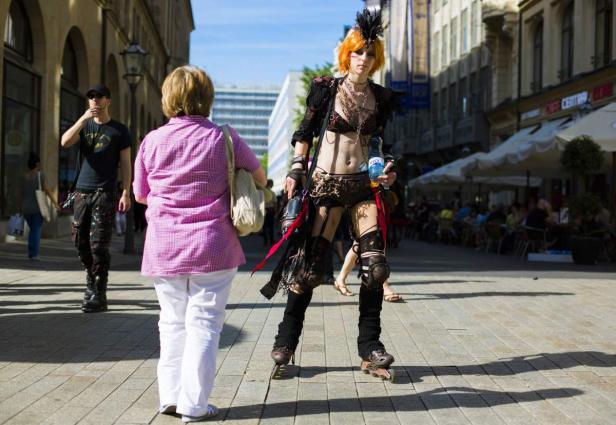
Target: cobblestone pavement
(479,339)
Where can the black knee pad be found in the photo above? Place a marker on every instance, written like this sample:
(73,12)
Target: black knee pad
(374,269)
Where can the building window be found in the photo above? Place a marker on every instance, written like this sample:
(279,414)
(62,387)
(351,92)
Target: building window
(454,39)
(537,59)
(474,24)
(21,94)
(464,25)
(474,95)
(566,49)
(72,104)
(435,51)
(463,104)
(453,103)
(443,105)
(603,33)
(68,72)
(444,36)
(17,36)
(484,88)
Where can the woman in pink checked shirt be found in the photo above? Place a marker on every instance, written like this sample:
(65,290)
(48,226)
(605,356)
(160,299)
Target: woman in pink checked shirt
(191,248)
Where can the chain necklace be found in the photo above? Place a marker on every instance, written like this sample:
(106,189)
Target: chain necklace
(354,105)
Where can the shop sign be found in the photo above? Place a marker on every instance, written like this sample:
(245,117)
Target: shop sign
(552,107)
(533,113)
(601,92)
(575,100)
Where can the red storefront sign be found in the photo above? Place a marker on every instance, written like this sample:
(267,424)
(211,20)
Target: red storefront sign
(601,92)
(552,107)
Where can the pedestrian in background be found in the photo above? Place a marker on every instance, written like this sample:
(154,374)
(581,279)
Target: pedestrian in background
(191,248)
(104,143)
(33,181)
(270,215)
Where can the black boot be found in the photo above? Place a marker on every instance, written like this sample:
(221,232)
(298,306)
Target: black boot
(380,359)
(98,301)
(283,355)
(89,286)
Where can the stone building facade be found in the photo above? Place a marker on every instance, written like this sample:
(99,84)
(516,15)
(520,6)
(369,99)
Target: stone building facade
(558,57)
(461,82)
(53,51)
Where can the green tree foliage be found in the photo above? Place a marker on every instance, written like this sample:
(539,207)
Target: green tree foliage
(582,156)
(264,162)
(308,74)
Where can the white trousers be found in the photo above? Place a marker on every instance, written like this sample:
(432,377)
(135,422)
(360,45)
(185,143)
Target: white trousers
(192,313)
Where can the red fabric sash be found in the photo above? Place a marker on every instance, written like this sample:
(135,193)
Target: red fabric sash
(290,230)
(381,216)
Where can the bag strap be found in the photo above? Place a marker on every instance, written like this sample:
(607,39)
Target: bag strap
(317,149)
(230,162)
(40,186)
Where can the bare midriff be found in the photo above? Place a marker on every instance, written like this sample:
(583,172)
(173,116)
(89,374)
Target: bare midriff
(344,153)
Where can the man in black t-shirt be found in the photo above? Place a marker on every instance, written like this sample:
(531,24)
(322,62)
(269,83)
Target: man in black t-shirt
(104,143)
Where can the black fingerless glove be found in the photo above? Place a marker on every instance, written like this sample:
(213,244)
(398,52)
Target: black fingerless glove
(297,174)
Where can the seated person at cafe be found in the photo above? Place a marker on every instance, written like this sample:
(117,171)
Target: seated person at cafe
(539,217)
(447,212)
(462,213)
(515,217)
(496,215)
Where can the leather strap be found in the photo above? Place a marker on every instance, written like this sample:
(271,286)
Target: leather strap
(230,163)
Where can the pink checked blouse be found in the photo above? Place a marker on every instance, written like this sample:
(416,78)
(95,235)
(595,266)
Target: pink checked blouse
(181,168)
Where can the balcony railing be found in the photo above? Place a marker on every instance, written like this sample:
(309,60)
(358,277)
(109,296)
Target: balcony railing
(535,87)
(426,142)
(444,136)
(600,61)
(472,129)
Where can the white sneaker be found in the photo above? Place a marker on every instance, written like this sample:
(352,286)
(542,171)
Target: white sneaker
(167,409)
(211,412)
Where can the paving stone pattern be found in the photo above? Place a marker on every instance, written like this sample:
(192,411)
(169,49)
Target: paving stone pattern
(471,347)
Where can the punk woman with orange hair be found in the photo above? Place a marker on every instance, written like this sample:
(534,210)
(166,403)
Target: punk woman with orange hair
(347,114)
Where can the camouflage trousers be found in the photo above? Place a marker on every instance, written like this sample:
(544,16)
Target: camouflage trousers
(92,229)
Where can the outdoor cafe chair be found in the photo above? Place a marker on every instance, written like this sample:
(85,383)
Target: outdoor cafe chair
(533,240)
(495,236)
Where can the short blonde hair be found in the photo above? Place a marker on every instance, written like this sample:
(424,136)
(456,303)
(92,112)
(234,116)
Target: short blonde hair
(187,90)
(353,42)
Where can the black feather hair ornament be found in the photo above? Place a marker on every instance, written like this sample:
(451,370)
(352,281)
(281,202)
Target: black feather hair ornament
(369,25)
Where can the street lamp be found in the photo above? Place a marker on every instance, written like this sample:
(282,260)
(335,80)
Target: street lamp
(133,57)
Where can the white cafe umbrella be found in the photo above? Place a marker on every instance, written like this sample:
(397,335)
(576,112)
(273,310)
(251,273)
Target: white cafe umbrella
(452,173)
(541,157)
(526,151)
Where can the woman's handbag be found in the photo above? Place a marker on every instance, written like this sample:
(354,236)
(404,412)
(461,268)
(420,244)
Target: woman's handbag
(16,225)
(43,201)
(247,202)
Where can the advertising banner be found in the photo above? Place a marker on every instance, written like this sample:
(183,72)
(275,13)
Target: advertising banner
(419,52)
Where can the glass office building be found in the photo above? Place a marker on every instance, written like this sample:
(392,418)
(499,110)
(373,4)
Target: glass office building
(247,111)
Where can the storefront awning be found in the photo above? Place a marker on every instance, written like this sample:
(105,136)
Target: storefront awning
(600,125)
(529,144)
(452,174)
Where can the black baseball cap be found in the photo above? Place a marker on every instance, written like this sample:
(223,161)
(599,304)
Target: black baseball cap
(99,89)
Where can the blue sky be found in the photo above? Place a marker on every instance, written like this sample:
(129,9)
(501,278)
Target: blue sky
(255,43)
